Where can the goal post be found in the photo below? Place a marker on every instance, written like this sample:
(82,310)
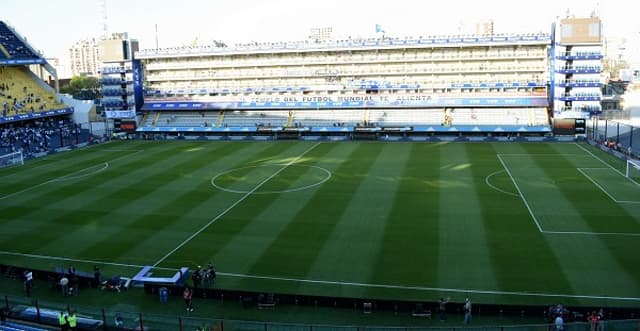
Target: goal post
(633,169)
(11,159)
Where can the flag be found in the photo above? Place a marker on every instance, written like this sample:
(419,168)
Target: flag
(379,28)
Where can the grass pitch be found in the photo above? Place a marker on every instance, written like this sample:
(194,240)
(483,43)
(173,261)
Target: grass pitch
(531,223)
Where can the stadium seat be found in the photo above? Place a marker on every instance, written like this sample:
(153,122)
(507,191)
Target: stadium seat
(13,45)
(22,94)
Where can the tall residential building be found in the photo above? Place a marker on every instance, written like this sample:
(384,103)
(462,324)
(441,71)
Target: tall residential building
(83,58)
(576,69)
(484,28)
(117,76)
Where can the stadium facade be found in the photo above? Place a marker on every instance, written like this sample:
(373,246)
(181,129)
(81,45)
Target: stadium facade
(478,83)
(427,84)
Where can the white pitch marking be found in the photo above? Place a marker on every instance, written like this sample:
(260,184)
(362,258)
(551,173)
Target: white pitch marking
(66,177)
(520,192)
(486,180)
(340,283)
(246,195)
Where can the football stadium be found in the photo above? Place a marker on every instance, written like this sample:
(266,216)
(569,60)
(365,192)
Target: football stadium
(375,175)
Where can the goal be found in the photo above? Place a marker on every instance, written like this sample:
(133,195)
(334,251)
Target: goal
(633,170)
(11,159)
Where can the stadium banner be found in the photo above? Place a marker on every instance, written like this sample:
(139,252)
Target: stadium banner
(21,62)
(328,129)
(29,116)
(354,101)
(138,90)
(119,113)
(170,129)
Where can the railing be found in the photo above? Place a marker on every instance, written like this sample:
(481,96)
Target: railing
(105,319)
(616,135)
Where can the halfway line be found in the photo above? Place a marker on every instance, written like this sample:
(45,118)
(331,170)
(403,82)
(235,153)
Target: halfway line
(213,220)
(520,192)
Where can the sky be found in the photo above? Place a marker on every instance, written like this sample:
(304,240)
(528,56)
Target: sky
(53,26)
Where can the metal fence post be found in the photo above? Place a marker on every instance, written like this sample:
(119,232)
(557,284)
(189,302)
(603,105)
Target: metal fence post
(104,320)
(37,311)
(180,323)
(141,322)
(6,302)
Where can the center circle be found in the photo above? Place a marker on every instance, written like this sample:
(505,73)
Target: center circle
(239,175)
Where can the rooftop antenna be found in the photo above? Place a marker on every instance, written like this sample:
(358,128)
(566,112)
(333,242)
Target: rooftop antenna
(103,18)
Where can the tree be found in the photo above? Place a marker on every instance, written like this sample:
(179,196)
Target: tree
(82,87)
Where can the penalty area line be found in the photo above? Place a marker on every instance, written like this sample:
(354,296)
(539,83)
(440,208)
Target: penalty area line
(67,177)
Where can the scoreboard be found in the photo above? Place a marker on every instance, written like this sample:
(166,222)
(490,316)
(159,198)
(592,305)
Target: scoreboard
(127,126)
(569,126)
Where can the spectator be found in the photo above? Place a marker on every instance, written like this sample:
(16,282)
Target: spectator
(443,309)
(187,295)
(467,311)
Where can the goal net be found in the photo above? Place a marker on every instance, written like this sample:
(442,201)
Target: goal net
(11,159)
(633,170)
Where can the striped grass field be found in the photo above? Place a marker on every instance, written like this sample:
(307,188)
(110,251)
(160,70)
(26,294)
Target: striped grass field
(525,223)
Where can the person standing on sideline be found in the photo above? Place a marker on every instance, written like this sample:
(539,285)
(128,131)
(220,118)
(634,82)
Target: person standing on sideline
(28,282)
(96,277)
(601,319)
(467,311)
(212,274)
(443,309)
(196,278)
(64,285)
(206,279)
(72,319)
(62,321)
(559,323)
(593,321)
(187,296)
